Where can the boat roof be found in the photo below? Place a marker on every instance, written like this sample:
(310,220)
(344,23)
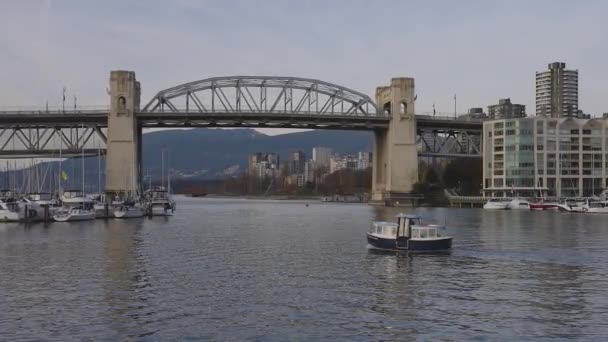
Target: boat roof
(407,216)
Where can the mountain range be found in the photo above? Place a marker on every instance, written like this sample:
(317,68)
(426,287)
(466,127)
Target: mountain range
(211,153)
(196,154)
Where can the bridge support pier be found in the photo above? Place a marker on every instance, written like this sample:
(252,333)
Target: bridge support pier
(395,165)
(123,159)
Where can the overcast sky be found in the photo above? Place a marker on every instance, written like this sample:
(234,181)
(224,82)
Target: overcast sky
(480,50)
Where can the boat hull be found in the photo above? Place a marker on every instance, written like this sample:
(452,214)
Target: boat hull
(438,244)
(543,206)
(130,213)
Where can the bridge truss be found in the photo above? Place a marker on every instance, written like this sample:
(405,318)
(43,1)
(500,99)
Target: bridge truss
(447,137)
(263,94)
(51,141)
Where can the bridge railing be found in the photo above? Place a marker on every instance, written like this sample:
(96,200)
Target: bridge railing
(37,110)
(187,112)
(428,116)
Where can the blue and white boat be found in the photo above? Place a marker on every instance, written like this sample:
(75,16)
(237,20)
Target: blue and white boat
(408,234)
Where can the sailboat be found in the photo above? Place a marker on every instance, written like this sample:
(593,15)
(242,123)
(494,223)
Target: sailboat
(159,198)
(73,212)
(131,207)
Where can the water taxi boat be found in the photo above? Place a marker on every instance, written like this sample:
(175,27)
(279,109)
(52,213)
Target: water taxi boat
(407,234)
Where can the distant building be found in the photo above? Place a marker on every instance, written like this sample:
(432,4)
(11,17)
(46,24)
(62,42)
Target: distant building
(506,110)
(557,91)
(474,113)
(296,179)
(263,164)
(364,160)
(309,171)
(353,162)
(321,156)
(296,163)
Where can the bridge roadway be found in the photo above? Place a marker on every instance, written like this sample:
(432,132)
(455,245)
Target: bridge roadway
(278,119)
(34,129)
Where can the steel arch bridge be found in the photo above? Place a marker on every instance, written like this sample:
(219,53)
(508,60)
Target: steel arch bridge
(263,94)
(232,101)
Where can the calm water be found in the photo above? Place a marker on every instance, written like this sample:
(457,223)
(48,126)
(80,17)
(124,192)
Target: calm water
(277,270)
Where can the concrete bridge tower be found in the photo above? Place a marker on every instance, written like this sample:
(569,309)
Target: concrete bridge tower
(395,169)
(123,160)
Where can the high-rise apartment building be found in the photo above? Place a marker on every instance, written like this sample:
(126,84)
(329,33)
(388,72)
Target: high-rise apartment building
(321,156)
(557,91)
(296,163)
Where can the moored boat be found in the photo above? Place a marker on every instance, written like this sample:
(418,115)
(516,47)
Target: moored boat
(496,203)
(159,202)
(595,207)
(571,205)
(10,211)
(542,205)
(518,204)
(74,214)
(407,234)
(129,211)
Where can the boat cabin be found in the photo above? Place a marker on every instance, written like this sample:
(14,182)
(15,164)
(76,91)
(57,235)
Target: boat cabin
(72,194)
(36,197)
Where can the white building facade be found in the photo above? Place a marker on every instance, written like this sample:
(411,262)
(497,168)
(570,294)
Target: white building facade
(564,157)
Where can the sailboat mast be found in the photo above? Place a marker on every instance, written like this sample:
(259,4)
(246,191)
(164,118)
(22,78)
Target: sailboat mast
(82,171)
(98,169)
(168,173)
(60,167)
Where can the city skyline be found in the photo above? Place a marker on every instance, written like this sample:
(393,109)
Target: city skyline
(40,59)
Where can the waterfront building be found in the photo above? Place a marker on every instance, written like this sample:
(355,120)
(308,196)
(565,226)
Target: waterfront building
(506,110)
(557,91)
(556,156)
(321,156)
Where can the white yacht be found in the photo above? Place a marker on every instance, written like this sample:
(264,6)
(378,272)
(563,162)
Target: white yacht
(38,205)
(496,203)
(10,211)
(74,214)
(571,205)
(596,207)
(75,198)
(129,210)
(518,204)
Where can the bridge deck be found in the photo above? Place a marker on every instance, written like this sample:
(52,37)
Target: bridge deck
(33,119)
